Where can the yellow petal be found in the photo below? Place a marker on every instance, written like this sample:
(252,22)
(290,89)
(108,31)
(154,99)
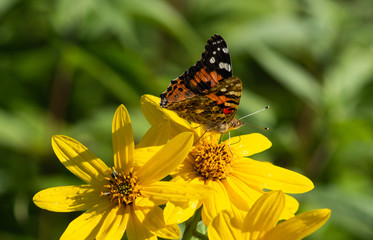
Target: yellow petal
(221,228)
(291,207)
(155,114)
(123,143)
(79,160)
(264,214)
(153,220)
(166,159)
(250,144)
(68,198)
(144,154)
(299,226)
(115,224)
(167,122)
(216,203)
(145,202)
(240,194)
(158,134)
(137,231)
(87,225)
(268,176)
(176,192)
(179,212)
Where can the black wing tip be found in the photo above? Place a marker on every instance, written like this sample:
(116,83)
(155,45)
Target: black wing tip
(163,102)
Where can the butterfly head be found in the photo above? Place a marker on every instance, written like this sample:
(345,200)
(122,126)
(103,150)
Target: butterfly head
(235,124)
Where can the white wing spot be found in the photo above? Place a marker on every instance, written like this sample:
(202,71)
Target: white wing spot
(223,90)
(225,50)
(212,60)
(214,52)
(218,48)
(226,66)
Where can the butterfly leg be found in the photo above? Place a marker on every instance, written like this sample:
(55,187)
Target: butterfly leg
(229,142)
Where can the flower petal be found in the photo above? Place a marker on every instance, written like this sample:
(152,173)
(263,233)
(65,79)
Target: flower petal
(240,194)
(250,144)
(291,207)
(143,154)
(299,226)
(264,214)
(221,228)
(168,122)
(216,203)
(155,114)
(79,160)
(268,176)
(176,191)
(67,198)
(166,159)
(115,224)
(179,212)
(137,230)
(158,134)
(152,219)
(123,143)
(87,225)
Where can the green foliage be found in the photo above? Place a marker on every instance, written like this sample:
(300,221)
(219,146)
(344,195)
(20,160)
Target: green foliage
(66,65)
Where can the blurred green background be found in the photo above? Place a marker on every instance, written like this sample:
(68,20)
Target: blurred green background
(66,65)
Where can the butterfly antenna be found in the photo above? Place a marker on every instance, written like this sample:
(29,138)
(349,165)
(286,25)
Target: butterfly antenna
(265,128)
(254,113)
(265,108)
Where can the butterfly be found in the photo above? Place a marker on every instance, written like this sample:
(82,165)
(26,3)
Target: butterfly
(207,93)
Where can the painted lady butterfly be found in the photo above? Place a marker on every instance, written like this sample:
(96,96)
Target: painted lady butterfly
(207,93)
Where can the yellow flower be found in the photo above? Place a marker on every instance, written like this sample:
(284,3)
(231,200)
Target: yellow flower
(260,222)
(126,197)
(224,166)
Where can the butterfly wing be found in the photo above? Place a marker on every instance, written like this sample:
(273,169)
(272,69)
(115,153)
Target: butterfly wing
(216,107)
(213,67)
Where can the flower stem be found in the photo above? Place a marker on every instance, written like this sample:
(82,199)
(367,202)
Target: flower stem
(191,226)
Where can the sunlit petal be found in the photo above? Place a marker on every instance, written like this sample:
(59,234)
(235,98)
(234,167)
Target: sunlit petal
(268,176)
(179,212)
(216,203)
(250,144)
(158,134)
(265,213)
(145,153)
(123,143)
(240,194)
(153,220)
(67,198)
(166,159)
(177,192)
(79,160)
(137,230)
(291,207)
(299,226)
(221,228)
(155,114)
(114,225)
(87,225)
(172,124)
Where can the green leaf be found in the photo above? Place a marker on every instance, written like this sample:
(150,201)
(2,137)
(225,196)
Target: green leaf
(293,77)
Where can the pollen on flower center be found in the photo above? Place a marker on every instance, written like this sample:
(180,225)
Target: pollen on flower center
(212,161)
(122,188)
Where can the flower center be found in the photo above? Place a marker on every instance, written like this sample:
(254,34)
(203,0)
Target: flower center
(122,188)
(212,161)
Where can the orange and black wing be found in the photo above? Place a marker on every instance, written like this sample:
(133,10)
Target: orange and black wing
(213,67)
